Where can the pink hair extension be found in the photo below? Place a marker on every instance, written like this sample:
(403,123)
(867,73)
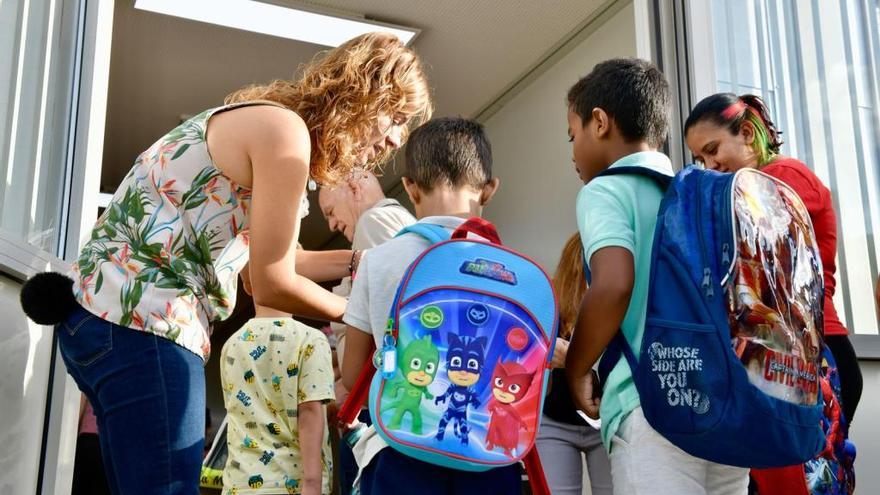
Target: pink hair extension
(734,110)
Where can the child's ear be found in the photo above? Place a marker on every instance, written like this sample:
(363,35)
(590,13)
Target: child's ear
(412,190)
(600,123)
(489,190)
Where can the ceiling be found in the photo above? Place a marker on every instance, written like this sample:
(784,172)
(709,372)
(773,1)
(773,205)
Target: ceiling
(164,67)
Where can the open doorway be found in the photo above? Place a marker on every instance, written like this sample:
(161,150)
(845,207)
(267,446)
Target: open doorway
(164,69)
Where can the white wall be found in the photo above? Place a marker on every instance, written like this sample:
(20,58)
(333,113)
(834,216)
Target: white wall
(534,208)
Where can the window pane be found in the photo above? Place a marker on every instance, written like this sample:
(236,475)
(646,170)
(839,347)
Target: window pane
(815,63)
(35,92)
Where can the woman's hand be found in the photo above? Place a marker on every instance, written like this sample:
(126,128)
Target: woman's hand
(560,351)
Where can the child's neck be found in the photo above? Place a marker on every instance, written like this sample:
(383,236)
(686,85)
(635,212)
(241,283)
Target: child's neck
(443,202)
(619,149)
(266,312)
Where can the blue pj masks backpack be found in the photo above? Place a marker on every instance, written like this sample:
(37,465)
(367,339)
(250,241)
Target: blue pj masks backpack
(463,369)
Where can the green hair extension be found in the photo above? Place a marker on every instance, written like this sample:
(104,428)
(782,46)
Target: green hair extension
(761,144)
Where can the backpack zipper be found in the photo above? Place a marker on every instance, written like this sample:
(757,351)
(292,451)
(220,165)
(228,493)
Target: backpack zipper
(707,270)
(730,226)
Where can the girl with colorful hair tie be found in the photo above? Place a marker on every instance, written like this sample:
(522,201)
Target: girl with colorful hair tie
(727,132)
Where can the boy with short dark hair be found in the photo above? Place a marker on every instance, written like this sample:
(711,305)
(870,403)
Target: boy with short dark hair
(618,117)
(448,177)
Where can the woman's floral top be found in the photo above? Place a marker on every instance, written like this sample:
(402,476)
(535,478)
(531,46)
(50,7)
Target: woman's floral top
(164,257)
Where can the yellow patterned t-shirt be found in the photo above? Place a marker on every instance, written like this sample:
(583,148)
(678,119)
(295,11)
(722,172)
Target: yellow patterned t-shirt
(268,368)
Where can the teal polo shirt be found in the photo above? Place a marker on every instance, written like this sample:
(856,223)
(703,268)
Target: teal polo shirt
(621,211)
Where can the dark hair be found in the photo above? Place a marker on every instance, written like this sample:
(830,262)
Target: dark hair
(449,150)
(731,111)
(633,92)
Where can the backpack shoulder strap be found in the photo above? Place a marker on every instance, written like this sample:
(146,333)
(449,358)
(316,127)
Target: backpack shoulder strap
(358,394)
(618,347)
(480,227)
(660,178)
(433,233)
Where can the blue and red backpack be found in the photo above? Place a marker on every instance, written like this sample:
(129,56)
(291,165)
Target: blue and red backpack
(832,472)
(465,360)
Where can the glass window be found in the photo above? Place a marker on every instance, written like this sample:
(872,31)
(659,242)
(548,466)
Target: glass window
(36,80)
(815,63)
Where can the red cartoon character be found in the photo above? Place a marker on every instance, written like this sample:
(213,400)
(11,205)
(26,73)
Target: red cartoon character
(510,382)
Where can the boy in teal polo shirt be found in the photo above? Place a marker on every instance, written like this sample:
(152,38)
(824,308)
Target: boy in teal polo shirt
(617,116)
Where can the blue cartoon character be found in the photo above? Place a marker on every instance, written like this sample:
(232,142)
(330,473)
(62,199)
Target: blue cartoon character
(464,362)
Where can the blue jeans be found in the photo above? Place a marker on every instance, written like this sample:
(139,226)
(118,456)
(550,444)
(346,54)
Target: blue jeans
(149,399)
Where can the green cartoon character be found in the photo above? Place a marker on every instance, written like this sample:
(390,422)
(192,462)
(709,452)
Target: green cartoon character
(418,365)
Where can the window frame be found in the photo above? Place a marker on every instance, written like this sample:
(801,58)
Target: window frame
(689,33)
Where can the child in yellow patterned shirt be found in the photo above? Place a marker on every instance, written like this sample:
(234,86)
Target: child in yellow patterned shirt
(277,374)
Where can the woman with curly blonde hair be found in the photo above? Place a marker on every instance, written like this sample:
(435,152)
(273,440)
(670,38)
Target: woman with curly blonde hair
(564,438)
(223,190)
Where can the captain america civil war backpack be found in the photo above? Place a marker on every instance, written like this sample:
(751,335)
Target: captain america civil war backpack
(730,358)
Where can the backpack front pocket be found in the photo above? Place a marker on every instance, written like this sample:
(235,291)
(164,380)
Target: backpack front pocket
(682,382)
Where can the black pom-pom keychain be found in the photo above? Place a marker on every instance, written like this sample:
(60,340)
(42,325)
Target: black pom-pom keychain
(47,298)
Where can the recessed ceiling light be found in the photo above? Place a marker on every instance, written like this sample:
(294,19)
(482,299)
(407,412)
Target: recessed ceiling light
(274,20)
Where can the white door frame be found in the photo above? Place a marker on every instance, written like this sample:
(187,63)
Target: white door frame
(88,26)
(81,206)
